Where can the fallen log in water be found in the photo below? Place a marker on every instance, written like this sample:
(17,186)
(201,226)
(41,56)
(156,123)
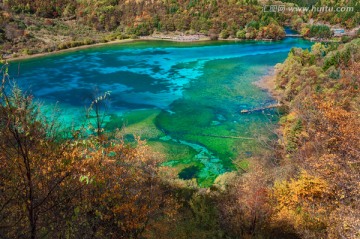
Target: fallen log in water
(225,136)
(260,108)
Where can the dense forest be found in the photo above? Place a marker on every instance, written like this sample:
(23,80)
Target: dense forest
(320,190)
(42,26)
(90,183)
(37,26)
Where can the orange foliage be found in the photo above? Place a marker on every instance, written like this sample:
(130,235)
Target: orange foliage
(90,187)
(325,145)
(298,201)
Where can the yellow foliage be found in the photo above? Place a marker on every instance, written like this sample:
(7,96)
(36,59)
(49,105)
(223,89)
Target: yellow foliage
(297,201)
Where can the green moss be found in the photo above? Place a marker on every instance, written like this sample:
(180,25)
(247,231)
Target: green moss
(186,117)
(242,164)
(174,152)
(140,123)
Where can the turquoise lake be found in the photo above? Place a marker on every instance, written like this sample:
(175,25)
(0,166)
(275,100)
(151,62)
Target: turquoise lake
(183,98)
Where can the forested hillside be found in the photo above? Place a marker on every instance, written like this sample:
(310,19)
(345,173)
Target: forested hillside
(29,27)
(143,17)
(349,18)
(40,26)
(319,192)
(92,183)
(324,14)
(307,185)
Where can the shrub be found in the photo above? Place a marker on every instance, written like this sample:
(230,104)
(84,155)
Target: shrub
(334,73)
(66,45)
(76,43)
(214,36)
(88,41)
(224,34)
(320,31)
(241,34)
(345,39)
(26,51)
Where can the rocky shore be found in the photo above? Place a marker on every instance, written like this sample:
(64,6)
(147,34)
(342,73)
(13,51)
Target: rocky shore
(176,37)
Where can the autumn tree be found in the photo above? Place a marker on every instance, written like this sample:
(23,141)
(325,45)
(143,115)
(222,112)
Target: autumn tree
(81,187)
(245,205)
(320,138)
(299,205)
(36,177)
(124,192)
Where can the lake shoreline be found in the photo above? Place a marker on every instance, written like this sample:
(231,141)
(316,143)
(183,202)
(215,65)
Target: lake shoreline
(147,38)
(171,38)
(268,83)
(25,57)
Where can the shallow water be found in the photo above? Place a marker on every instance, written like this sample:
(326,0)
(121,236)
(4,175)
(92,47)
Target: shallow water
(184,98)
